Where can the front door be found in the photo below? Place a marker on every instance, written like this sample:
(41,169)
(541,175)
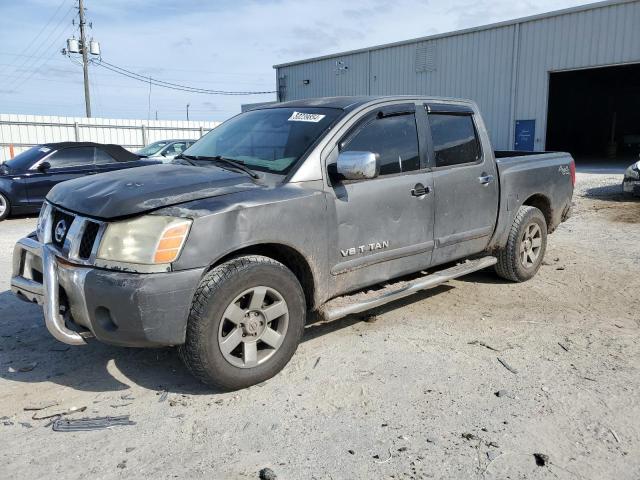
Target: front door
(465,182)
(384,225)
(66,164)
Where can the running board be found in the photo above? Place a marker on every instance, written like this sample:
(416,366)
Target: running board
(342,306)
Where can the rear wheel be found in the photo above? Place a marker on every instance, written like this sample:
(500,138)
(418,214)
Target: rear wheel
(5,207)
(522,256)
(245,324)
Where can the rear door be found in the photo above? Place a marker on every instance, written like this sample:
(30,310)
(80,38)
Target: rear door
(66,164)
(384,225)
(465,182)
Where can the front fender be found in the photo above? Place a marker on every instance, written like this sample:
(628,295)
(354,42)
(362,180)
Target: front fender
(288,215)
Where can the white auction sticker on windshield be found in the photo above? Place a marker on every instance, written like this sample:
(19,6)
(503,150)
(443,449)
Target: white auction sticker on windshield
(305,117)
(44,149)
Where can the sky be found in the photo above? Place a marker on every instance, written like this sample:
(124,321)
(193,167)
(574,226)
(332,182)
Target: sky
(228,45)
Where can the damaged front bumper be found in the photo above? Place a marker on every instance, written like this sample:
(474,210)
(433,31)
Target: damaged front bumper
(120,308)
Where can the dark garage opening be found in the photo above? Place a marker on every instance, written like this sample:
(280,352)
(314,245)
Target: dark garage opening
(595,114)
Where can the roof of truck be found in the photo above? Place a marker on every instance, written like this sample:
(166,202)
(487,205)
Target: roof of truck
(349,102)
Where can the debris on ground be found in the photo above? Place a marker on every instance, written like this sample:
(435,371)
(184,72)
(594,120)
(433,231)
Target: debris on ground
(563,347)
(483,344)
(352,452)
(26,424)
(541,459)
(267,474)
(469,436)
(163,396)
(40,406)
(615,435)
(507,366)
(25,368)
(129,449)
(46,415)
(88,424)
(317,362)
(122,464)
(502,393)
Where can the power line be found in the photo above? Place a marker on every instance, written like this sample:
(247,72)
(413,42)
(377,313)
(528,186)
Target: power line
(38,54)
(174,86)
(34,39)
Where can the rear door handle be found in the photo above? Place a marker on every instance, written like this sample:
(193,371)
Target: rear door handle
(485,179)
(419,190)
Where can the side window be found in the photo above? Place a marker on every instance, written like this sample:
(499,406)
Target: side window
(176,148)
(393,138)
(454,139)
(103,158)
(72,157)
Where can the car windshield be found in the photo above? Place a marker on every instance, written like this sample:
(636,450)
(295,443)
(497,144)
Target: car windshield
(152,148)
(270,140)
(27,158)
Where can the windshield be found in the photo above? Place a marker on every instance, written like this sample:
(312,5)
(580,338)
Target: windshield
(27,158)
(152,148)
(271,140)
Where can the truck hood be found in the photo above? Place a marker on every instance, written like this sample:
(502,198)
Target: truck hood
(131,191)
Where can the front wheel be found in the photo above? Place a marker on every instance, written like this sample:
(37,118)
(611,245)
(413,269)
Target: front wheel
(5,207)
(246,321)
(521,257)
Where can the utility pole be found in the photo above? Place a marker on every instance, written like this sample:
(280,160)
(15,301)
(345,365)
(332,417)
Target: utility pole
(187,112)
(85,58)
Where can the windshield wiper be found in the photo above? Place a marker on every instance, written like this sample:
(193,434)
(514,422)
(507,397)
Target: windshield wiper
(237,164)
(188,158)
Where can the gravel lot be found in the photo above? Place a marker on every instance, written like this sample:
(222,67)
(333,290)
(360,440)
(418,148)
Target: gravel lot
(409,395)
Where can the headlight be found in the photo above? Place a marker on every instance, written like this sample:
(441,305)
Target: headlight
(149,240)
(45,211)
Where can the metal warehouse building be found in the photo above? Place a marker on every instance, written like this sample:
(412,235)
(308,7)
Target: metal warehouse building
(566,80)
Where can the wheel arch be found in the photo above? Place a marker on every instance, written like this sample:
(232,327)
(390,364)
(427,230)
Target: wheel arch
(288,256)
(542,203)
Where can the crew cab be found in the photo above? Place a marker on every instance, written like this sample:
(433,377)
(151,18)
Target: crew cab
(283,212)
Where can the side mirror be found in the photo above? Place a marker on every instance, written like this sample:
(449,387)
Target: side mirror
(358,165)
(44,166)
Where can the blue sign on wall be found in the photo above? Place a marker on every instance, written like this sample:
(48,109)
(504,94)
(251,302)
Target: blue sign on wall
(525,135)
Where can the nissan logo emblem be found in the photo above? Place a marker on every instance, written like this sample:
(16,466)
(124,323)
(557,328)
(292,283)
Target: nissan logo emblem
(60,231)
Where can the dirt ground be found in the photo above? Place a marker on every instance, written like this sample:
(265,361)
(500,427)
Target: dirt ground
(410,395)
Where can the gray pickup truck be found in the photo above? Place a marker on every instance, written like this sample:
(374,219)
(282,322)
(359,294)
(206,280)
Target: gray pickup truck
(326,207)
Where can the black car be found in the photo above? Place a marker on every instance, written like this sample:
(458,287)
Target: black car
(26,179)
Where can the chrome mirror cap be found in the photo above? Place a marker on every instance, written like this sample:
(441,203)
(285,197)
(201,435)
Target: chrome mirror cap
(358,165)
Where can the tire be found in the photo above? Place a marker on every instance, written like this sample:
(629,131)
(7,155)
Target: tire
(5,207)
(516,260)
(223,312)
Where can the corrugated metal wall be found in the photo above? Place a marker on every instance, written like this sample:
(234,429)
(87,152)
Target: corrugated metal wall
(24,131)
(504,68)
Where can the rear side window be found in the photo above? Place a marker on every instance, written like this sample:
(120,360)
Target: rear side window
(454,139)
(103,158)
(393,138)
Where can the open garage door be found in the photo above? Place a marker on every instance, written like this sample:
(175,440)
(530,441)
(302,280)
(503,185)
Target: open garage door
(595,113)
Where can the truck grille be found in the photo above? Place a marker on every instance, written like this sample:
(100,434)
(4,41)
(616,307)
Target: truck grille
(60,224)
(73,235)
(88,239)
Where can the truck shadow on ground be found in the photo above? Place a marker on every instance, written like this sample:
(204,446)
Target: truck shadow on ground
(29,354)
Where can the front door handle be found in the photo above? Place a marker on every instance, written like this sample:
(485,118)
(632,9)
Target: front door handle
(420,190)
(485,179)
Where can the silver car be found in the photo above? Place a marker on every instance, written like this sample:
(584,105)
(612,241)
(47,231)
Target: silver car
(631,182)
(165,150)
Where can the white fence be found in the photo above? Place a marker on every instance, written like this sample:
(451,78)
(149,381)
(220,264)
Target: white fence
(19,132)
